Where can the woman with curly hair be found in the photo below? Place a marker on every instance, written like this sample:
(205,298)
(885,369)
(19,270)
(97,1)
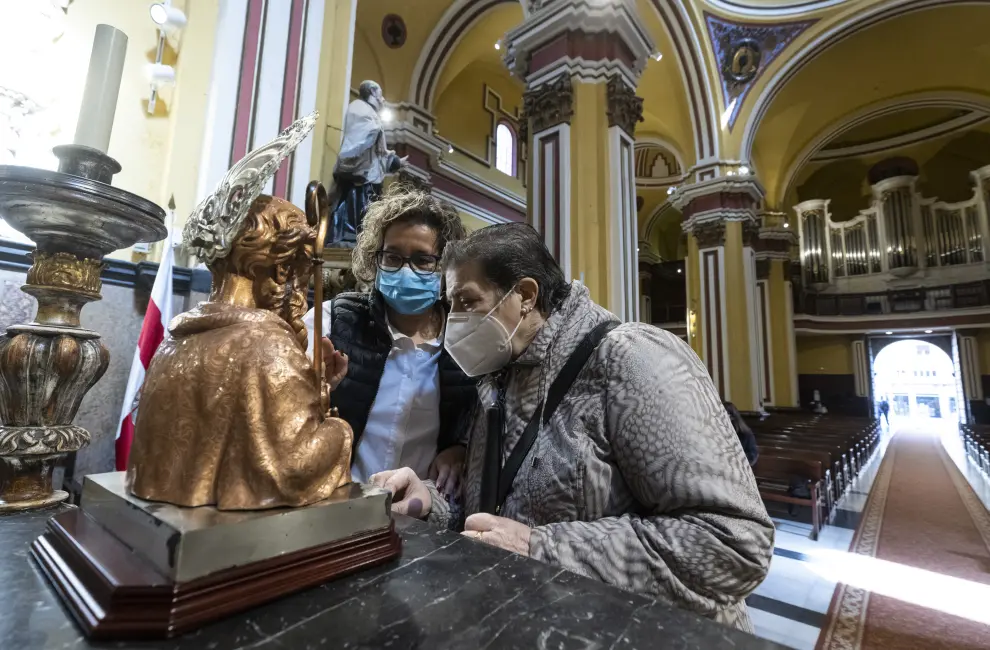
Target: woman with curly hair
(402,394)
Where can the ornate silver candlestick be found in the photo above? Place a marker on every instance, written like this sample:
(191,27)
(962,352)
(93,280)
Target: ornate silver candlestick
(74,217)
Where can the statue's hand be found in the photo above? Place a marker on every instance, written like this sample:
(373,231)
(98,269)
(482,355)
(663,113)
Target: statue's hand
(409,495)
(334,363)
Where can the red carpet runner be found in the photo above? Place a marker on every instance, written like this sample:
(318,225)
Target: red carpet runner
(921,513)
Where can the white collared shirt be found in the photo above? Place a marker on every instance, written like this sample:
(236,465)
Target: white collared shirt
(404,421)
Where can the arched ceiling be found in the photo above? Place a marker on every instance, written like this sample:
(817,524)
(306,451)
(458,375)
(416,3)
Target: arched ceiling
(773,8)
(477,45)
(938,50)
(373,59)
(666,109)
(944,163)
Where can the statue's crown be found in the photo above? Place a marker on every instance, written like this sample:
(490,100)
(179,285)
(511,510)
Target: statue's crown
(216,222)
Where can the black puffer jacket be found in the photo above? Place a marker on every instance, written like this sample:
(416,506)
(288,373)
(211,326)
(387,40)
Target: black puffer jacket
(359,330)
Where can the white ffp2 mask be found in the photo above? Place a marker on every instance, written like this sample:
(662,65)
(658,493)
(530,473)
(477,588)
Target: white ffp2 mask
(478,343)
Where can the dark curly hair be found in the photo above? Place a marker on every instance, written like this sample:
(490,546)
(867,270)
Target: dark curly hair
(403,203)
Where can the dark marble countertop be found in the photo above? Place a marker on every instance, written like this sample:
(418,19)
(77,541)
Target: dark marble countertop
(446,591)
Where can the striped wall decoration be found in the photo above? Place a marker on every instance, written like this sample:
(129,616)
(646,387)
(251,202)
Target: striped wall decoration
(264,76)
(552,192)
(713,318)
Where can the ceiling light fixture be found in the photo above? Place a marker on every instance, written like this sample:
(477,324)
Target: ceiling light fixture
(498,46)
(671,190)
(928,331)
(744,171)
(387,115)
(658,56)
(450,148)
(787,225)
(888,333)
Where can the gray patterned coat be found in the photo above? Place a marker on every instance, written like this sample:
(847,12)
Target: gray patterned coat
(639,479)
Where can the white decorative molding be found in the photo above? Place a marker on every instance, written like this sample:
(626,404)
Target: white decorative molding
(470,208)
(870,15)
(624,283)
(766,340)
(551,219)
(939,99)
(677,17)
(724,184)
(617,17)
(763,10)
(456,21)
(962,123)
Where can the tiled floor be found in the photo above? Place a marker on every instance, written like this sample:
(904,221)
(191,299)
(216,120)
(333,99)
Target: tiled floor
(791,604)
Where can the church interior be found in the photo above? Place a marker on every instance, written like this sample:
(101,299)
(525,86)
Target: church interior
(765,179)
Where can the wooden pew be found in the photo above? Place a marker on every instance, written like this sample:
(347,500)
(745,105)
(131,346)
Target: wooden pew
(823,451)
(775,475)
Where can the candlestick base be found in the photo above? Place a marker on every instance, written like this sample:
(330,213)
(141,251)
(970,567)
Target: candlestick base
(75,217)
(86,162)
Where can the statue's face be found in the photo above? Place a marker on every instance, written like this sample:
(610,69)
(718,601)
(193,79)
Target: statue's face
(377,99)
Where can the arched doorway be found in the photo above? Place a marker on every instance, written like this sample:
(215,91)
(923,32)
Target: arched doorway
(918,381)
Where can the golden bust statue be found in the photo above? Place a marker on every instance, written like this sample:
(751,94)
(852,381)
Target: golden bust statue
(230,413)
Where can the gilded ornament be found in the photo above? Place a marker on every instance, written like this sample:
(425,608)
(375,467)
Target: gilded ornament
(233,413)
(65,271)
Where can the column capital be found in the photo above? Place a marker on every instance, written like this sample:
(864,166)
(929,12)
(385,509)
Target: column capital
(733,198)
(775,239)
(624,108)
(547,105)
(588,39)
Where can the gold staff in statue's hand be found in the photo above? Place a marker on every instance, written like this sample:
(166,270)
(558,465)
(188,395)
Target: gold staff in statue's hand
(318,216)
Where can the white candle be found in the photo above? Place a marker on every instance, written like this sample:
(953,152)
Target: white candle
(106,67)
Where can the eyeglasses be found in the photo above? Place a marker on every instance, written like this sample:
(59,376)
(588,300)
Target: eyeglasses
(420,263)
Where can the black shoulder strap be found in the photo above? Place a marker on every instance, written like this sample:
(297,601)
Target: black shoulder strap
(572,368)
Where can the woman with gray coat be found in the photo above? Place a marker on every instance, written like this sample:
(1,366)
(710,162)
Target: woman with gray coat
(597,447)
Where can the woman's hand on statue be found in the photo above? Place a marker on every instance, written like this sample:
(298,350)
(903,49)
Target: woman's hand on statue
(447,468)
(334,363)
(498,531)
(410,496)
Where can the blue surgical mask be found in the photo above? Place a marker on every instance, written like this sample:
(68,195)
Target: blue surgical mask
(408,292)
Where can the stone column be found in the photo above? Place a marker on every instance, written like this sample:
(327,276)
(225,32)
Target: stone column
(720,219)
(775,307)
(582,60)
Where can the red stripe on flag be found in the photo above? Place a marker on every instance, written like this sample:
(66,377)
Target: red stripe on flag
(123,444)
(152,333)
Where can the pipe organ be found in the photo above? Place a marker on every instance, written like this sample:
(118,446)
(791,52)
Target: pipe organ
(899,233)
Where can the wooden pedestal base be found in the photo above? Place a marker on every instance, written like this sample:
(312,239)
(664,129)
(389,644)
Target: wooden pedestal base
(114,594)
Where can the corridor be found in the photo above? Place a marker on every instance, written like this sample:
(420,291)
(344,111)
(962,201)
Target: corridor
(905,562)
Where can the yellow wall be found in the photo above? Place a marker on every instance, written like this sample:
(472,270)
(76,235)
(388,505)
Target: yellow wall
(824,355)
(392,68)
(471,222)
(781,370)
(740,359)
(983,341)
(589,190)
(944,166)
(460,112)
(188,111)
(825,90)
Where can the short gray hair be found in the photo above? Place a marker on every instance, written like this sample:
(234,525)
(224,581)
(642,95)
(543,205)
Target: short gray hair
(367,89)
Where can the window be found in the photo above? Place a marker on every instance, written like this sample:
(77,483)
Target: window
(505,149)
